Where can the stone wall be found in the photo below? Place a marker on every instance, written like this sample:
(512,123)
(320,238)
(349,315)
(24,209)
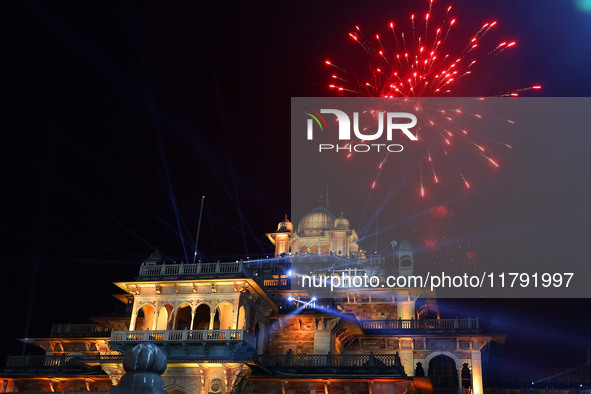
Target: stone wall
(371,311)
(296,334)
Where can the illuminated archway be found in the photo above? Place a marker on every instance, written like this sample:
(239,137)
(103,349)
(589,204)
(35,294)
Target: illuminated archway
(224,316)
(164,317)
(443,374)
(147,311)
(183,317)
(202,317)
(241,318)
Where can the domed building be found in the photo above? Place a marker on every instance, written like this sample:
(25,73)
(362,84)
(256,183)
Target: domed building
(254,326)
(316,221)
(318,232)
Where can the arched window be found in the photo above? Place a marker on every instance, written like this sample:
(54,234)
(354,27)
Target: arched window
(164,317)
(259,336)
(148,313)
(183,318)
(202,317)
(224,316)
(405,262)
(443,374)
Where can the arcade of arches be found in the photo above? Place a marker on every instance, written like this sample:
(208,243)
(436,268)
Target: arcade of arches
(183,318)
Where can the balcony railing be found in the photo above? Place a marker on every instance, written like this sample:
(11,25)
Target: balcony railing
(183,337)
(286,306)
(382,364)
(276,282)
(77,362)
(469,324)
(78,330)
(351,364)
(57,362)
(179,270)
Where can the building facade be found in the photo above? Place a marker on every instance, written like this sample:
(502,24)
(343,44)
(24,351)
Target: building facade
(255,327)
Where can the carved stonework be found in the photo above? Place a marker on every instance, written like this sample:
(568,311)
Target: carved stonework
(189,380)
(240,378)
(114,371)
(133,289)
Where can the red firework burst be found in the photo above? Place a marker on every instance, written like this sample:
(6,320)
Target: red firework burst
(415,63)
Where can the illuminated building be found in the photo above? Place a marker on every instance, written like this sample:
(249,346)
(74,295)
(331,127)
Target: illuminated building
(251,327)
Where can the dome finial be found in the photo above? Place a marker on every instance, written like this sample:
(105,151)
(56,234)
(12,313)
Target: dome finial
(285,225)
(342,223)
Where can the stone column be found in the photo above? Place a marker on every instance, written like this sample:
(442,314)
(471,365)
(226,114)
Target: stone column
(477,385)
(406,353)
(211,318)
(133,320)
(236,313)
(322,342)
(155,322)
(192,317)
(405,309)
(174,319)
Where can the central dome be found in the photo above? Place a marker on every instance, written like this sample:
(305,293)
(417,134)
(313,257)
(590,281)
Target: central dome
(316,220)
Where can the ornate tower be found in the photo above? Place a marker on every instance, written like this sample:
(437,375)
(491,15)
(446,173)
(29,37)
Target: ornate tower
(282,237)
(404,259)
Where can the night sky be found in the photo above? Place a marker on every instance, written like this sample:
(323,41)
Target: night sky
(118,117)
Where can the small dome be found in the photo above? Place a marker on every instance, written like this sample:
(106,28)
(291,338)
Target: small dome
(405,245)
(284,226)
(319,218)
(342,223)
(155,257)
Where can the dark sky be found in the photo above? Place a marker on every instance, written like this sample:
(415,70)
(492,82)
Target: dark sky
(118,117)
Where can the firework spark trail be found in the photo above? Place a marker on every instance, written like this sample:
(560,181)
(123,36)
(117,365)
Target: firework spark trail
(419,65)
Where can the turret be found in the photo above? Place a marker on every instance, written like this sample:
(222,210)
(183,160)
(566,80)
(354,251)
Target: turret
(282,237)
(404,259)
